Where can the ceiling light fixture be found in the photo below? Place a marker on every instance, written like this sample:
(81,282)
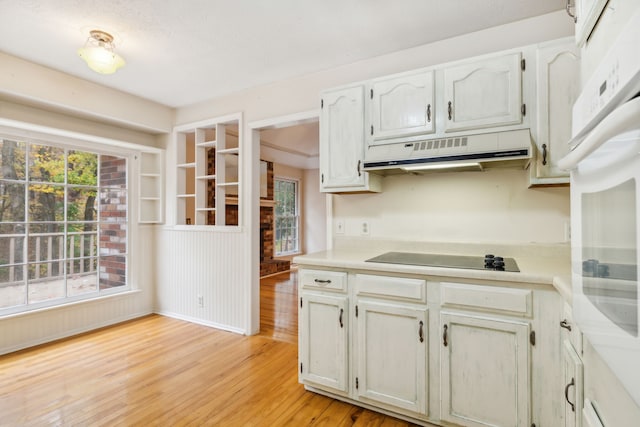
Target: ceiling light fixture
(98,53)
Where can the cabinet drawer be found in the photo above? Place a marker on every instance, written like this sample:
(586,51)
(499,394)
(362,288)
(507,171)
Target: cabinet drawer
(497,299)
(321,279)
(394,287)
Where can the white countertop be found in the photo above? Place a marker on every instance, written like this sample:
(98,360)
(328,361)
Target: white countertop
(537,270)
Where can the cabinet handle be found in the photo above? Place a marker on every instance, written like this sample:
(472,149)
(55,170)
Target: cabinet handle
(565,324)
(568,9)
(359,161)
(449,110)
(566,394)
(429,113)
(544,154)
(340,319)
(444,336)
(322,282)
(421,332)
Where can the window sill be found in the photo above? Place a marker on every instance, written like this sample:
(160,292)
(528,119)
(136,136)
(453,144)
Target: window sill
(70,304)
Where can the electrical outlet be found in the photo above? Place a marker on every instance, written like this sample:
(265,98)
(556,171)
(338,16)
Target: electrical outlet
(339,226)
(200,301)
(365,229)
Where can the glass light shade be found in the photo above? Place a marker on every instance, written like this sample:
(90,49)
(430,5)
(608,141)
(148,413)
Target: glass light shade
(101,59)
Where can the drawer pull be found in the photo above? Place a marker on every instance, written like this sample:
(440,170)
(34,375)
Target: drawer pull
(421,332)
(340,319)
(566,325)
(566,394)
(322,282)
(444,336)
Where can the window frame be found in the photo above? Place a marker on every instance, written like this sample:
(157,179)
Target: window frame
(69,141)
(296,182)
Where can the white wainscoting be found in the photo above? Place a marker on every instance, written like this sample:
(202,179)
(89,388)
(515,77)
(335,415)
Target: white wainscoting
(37,327)
(207,265)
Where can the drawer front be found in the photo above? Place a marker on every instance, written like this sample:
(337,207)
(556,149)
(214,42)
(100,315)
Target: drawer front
(391,287)
(496,299)
(322,279)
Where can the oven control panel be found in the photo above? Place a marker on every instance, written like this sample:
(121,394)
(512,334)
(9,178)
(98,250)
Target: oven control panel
(615,81)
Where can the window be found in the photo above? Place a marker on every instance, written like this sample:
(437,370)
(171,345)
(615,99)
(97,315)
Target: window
(287,219)
(63,224)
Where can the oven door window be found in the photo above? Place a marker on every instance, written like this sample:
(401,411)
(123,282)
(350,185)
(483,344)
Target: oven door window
(609,253)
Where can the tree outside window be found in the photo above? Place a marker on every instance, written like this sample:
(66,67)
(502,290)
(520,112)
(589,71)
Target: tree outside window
(63,224)
(287,217)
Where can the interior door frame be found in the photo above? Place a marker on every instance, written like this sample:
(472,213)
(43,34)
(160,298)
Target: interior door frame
(253,132)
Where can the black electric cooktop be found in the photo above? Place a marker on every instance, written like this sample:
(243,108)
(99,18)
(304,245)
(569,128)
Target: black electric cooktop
(487,262)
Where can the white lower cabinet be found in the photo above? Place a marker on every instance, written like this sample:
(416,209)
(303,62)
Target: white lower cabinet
(484,371)
(373,339)
(391,356)
(323,334)
(573,385)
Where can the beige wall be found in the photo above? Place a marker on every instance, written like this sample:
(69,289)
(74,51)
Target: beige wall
(494,206)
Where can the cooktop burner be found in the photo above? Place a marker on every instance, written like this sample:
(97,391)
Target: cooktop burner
(488,262)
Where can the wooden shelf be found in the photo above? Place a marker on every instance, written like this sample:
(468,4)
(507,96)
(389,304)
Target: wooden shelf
(229,151)
(207,144)
(207,150)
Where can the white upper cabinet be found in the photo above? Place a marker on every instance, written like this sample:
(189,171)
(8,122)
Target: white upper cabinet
(558,86)
(342,141)
(402,106)
(485,93)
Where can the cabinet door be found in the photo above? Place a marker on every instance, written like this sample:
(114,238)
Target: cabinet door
(402,106)
(558,82)
(342,140)
(323,341)
(392,355)
(484,371)
(483,94)
(572,372)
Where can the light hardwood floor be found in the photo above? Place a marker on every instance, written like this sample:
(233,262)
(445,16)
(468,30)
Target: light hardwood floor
(165,372)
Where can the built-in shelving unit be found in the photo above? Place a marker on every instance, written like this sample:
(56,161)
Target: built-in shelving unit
(150,206)
(207,161)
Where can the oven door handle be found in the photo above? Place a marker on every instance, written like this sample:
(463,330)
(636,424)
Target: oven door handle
(623,119)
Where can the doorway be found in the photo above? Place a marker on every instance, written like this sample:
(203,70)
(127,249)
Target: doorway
(288,151)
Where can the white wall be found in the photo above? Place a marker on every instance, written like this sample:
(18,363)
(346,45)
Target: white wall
(57,91)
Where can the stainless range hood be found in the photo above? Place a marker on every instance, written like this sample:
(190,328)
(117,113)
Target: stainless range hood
(475,152)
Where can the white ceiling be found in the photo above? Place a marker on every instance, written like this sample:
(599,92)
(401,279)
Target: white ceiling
(183,52)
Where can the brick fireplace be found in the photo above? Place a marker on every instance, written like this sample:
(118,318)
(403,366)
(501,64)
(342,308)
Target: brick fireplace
(268,265)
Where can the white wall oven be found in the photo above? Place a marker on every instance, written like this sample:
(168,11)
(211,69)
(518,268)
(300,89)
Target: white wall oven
(605,208)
